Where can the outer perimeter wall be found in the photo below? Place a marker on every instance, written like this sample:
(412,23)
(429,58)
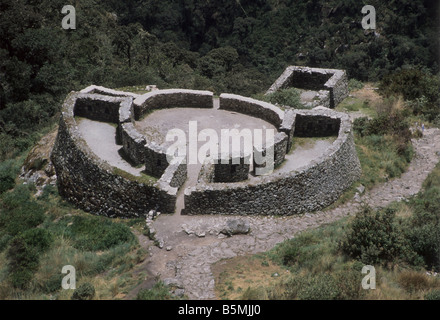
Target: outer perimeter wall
(312,187)
(92,184)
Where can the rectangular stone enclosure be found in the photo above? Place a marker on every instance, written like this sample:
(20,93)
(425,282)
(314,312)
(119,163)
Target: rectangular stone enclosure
(332,80)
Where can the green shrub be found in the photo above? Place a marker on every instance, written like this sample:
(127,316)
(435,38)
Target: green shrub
(23,255)
(19,216)
(286,97)
(4,240)
(433,295)
(429,201)
(48,191)
(297,250)
(394,124)
(290,254)
(420,89)
(318,287)
(28,114)
(20,212)
(354,84)
(85,291)
(159,292)
(90,233)
(39,239)
(8,172)
(423,230)
(53,284)
(360,125)
(410,83)
(433,179)
(418,105)
(349,283)
(21,277)
(22,262)
(373,237)
(378,142)
(21,194)
(393,169)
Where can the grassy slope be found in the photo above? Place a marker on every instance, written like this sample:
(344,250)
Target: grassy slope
(106,265)
(318,265)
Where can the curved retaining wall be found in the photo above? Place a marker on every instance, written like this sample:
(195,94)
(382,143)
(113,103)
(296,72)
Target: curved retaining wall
(135,146)
(156,161)
(310,188)
(175,175)
(283,121)
(252,107)
(93,185)
(172,98)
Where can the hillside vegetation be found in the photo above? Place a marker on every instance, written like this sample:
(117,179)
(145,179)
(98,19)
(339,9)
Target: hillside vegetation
(237,46)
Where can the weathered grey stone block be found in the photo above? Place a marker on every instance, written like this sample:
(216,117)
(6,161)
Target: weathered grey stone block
(236,226)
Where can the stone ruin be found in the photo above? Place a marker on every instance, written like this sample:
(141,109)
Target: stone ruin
(227,188)
(331,85)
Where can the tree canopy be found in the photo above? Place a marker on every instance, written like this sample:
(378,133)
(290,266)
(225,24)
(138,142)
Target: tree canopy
(237,46)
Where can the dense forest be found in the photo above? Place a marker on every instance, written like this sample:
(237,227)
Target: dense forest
(236,46)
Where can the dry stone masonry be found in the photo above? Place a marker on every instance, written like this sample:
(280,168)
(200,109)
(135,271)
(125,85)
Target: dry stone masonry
(252,107)
(331,84)
(228,168)
(171,98)
(227,187)
(92,184)
(309,188)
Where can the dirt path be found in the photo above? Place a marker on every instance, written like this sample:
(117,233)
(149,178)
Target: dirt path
(193,243)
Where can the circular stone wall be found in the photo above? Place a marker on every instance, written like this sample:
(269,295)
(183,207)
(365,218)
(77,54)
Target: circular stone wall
(309,188)
(95,186)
